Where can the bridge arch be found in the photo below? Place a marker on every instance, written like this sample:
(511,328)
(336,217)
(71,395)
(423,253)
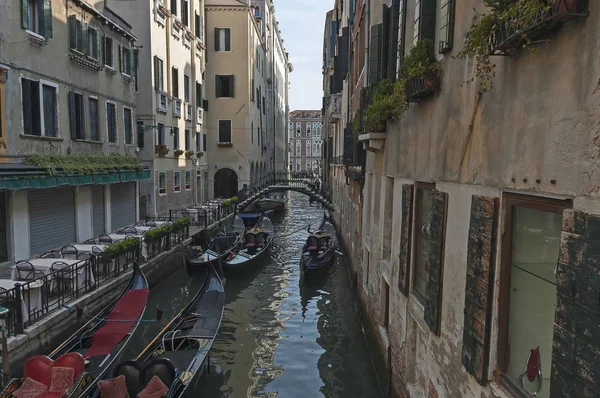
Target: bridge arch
(297,185)
(226,183)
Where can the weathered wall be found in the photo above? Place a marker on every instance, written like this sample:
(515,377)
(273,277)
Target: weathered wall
(172,199)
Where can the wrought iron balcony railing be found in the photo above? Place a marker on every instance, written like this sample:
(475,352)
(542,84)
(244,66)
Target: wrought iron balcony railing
(418,88)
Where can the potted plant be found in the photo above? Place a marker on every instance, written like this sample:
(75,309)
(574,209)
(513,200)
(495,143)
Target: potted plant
(2,144)
(421,64)
(177,153)
(199,154)
(161,150)
(388,103)
(189,154)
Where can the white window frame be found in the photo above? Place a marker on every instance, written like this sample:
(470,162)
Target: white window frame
(132,130)
(222,40)
(177,189)
(116,123)
(41,84)
(164,188)
(185,184)
(112,52)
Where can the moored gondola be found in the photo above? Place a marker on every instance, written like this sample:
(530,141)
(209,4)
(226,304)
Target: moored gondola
(319,249)
(275,201)
(89,355)
(174,360)
(257,242)
(218,249)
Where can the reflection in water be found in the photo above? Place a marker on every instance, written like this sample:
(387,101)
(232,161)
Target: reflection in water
(280,337)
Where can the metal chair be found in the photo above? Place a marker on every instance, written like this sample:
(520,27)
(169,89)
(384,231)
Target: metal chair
(61,275)
(69,252)
(131,231)
(90,242)
(105,239)
(150,224)
(50,254)
(96,250)
(84,256)
(27,272)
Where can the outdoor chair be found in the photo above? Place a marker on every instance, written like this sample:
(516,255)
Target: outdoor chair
(69,252)
(96,250)
(27,272)
(62,279)
(84,256)
(105,239)
(131,231)
(150,224)
(90,242)
(50,254)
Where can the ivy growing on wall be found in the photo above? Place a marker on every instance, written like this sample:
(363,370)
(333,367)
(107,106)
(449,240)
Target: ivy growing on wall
(83,163)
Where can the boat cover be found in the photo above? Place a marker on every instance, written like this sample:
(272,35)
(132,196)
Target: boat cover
(121,319)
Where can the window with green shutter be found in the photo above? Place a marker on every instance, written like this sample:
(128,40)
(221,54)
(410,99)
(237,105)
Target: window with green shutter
(108,52)
(424,22)
(76,116)
(36,16)
(94,44)
(78,35)
(447,26)
(401,34)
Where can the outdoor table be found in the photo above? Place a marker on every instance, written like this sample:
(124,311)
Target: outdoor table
(116,237)
(160,223)
(31,296)
(88,248)
(45,264)
(142,230)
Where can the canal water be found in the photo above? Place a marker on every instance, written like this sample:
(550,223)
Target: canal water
(280,336)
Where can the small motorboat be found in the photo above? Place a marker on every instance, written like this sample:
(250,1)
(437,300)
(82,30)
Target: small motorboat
(275,201)
(252,218)
(319,249)
(179,353)
(257,241)
(219,248)
(92,351)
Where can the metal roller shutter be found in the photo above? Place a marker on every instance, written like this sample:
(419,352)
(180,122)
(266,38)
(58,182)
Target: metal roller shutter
(122,197)
(51,218)
(98,218)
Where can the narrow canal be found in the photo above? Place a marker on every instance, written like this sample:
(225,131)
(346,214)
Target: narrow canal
(280,336)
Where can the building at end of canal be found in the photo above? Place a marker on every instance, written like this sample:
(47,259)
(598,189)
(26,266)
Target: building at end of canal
(479,208)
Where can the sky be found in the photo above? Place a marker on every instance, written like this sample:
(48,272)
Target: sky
(302,25)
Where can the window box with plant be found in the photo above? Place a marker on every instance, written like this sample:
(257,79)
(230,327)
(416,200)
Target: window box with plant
(420,71)
(177,153)
(189,154)
(512,24)
(161,150)
(199,154)
(387,103)
(224,144)
(122,254)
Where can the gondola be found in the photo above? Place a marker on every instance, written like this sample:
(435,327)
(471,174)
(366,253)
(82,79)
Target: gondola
(257,242)
(319,249)
(275,201)
(218,249)
(179,353)
(92,351)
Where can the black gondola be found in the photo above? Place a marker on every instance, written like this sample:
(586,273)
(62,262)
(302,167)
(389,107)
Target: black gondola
(179,353)
(257,242)
(319,249)
(218,249)
(93,350)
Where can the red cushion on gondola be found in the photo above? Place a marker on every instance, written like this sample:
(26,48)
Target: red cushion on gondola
(155,389)
(250,244)
(122,318)
(311,248)
(30,389)
(62,379)
(38,369)
(113,388)
(49,394)
(72,360)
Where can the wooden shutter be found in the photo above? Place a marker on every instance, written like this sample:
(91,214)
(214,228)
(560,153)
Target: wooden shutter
(392,48)
(232,85)
(375,44)
(427,26)
(84,39)
(47,19)
(156,73)
(27,107)
(405,238)
(130,55)
(576,343)
(72,22)
(99,42)
(72,115)
(24,14)
(218,86)
(385,43)
(447,26)
(227,40)
(205,105)
(217,41)
(401,35)
(197,25)
(479,289)
(433,295)
(120,58)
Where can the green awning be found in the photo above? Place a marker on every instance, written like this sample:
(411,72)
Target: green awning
(33,180)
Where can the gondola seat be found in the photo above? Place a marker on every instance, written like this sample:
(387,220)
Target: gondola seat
(163,369)
(311,248)
(152,379)
(131,371)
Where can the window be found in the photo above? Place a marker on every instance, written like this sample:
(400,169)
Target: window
(224,130)
(174,7)
(222,39)
(78,35)
(447,26)
(424,22)
(258,97)
(198,28)
(108,52)
(307,130)
(258,134)
(76,116)
(177,181)
(111,121)
(140,134)
(224,86)
(162,184)
(175,132)
(188,138)
(298,147)
(37,16)
(252,132)
(158,74)
(161,134)
(188,180)
(204,142)
(264,108)
(39,108)
(308,148)
(298,132)
(128,121)
(127,61)
(199,103)
(528,284)
(175,81)
(94,44)
(385,304)
(186,88)
(198,143)
(185,12)
(298,167)
(422,234)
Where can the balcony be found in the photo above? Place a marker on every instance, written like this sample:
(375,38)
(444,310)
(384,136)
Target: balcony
(418,88)
(176,31)
(187,39)
(334,107)
(188,112)
(509,37)
(161,102)
(200,116)
(176,107)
